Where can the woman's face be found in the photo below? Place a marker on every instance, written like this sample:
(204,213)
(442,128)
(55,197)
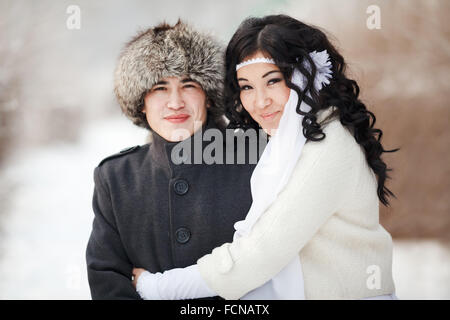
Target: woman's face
(264,92)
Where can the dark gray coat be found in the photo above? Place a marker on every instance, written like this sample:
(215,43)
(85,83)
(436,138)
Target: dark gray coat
(153,214)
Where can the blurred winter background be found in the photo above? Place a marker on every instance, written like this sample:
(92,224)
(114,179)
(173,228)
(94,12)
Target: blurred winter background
(58,119)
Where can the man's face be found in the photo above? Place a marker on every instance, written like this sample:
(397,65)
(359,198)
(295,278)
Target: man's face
(175,108)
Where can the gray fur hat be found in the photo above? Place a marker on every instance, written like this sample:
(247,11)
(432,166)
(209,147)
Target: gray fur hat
(167,51)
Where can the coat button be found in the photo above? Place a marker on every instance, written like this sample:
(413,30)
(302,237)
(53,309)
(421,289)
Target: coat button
(181,187)
(183,235)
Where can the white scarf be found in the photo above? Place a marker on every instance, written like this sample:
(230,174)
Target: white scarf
(271,175)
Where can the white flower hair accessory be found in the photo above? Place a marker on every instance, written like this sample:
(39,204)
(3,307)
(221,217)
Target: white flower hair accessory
(323,68)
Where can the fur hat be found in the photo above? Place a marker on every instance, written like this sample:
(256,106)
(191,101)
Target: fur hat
(167,51)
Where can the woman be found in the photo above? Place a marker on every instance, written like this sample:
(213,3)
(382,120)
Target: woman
(313,229)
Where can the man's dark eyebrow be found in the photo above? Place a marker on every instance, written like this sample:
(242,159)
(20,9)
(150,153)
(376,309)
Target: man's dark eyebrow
(162,82)
(188,80)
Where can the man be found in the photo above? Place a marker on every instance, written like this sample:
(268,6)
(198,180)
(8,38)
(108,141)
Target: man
(149,211)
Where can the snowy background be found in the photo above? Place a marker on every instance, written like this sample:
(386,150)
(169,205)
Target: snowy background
(58,119)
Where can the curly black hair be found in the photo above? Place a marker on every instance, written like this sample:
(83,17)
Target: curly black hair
(289,42)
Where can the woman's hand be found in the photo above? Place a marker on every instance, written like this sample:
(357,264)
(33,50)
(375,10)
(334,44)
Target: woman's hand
(136,273)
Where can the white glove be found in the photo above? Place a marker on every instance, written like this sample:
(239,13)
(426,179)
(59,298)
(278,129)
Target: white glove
(174,284)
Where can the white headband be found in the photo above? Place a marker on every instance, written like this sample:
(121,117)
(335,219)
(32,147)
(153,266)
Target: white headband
(256,60)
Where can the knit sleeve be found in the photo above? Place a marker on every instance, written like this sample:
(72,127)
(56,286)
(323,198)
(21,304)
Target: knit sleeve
(324,178)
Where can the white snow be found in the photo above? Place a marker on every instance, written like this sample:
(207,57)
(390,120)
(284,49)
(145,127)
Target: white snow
(48,217)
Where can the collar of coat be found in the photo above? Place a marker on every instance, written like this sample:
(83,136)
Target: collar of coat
(203,149)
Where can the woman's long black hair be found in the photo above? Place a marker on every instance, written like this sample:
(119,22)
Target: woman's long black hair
(289,42)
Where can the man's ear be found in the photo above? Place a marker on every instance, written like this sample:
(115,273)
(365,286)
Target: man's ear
(142,105)
(208,103)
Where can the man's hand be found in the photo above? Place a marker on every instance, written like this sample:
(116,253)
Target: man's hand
(136,273)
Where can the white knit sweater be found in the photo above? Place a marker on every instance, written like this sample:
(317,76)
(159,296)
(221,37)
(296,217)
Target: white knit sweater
(328,214)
